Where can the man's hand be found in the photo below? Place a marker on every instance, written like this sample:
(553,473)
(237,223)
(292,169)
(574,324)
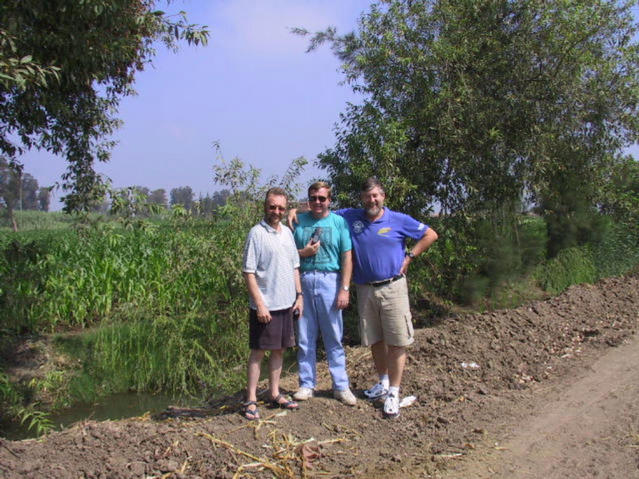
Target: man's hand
(404,268)
(291,218)
(310,249)
(299,306)
(263,315)
(343,298)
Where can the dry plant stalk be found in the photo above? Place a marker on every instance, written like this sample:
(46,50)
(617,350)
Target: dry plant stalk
(259,462)
(287,454)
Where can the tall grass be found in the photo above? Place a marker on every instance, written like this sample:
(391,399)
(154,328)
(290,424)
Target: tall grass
(29,220)
(13,409)
(570,266)
(615,254)
(189,355)
(75,280)
(168,299)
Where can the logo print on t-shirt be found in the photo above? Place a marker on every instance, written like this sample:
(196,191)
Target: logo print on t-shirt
(383,231)
(358,226)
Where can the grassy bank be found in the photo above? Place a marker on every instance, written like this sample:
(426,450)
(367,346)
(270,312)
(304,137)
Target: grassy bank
(160,306)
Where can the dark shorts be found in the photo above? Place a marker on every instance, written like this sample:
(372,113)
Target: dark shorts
(277,334)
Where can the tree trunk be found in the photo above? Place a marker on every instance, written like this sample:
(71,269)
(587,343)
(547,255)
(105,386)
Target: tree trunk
(12,217)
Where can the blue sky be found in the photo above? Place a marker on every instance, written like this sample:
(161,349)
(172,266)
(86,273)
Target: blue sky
(252,88)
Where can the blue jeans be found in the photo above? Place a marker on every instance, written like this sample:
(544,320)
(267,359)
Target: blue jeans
(321,315)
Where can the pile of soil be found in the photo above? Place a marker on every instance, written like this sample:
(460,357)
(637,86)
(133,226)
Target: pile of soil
(475,377)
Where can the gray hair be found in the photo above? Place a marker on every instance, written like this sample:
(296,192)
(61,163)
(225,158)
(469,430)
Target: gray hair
(371,183)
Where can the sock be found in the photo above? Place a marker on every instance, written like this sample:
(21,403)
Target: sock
(384,380)
(394,391)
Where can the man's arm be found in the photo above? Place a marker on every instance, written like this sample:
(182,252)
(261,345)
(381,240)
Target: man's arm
(347,271)
(291,217)
(299,299)
(263,315)
(422,245)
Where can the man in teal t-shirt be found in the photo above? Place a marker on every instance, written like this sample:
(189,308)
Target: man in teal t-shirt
(324,245)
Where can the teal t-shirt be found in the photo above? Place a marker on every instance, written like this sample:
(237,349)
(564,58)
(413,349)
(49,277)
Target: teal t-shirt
(335,239)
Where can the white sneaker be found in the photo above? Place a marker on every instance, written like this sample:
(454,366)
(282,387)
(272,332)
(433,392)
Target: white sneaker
(391,405)
(346,397)
(302,394)
(377,391)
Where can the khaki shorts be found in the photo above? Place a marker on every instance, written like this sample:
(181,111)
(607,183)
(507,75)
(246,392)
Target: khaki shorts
(384,314)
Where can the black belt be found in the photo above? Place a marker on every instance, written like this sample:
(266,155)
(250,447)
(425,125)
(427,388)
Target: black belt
(385,281)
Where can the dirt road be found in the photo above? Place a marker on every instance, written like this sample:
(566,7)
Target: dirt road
(546,390)
(587,428)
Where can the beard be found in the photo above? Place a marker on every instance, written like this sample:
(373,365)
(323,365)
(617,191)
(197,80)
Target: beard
(373,210)
(274,218)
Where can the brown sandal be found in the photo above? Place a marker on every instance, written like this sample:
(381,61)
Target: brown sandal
(250,414)
(287,404)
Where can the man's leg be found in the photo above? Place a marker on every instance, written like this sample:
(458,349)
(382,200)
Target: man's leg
(398,333)
(307,330)
(275,361)
(395,359)
(379,352)
(332,328)
(254,362)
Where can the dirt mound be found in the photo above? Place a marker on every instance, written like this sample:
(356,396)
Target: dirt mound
(471,374)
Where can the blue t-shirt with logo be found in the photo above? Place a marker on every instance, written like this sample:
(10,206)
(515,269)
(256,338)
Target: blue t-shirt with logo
(379,246)
(335,239)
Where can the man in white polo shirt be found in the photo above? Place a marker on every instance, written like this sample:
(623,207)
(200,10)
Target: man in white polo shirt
(271,270)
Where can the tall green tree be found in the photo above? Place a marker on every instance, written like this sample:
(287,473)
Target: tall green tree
(29,192)
(158,197)
(10,184)
(182,195)
(64,67)
(474,104)
(44,198)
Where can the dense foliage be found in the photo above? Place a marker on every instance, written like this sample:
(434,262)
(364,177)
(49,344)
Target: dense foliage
(64,67)
(474,105)
(483,110)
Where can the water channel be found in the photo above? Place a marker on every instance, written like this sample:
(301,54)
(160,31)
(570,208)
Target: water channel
(116,406)
(123,405)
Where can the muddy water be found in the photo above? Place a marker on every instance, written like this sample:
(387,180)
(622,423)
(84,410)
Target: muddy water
(126,405)
(117,406)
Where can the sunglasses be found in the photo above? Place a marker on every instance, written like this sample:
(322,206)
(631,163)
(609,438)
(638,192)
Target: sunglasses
(314,198)
(275,207)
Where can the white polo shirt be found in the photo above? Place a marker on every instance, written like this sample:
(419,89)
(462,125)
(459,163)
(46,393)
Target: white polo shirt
(272,256)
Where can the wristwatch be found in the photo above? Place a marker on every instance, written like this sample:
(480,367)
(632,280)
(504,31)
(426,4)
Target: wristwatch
(345,288)
(410,254)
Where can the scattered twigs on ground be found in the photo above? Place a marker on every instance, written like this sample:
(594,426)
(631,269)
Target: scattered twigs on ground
(289,455)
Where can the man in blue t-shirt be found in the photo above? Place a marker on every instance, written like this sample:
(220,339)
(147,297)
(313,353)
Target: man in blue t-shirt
(380,263)
(324,245)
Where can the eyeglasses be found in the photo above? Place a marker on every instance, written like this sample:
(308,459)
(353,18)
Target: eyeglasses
(314,198)
(276,207)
